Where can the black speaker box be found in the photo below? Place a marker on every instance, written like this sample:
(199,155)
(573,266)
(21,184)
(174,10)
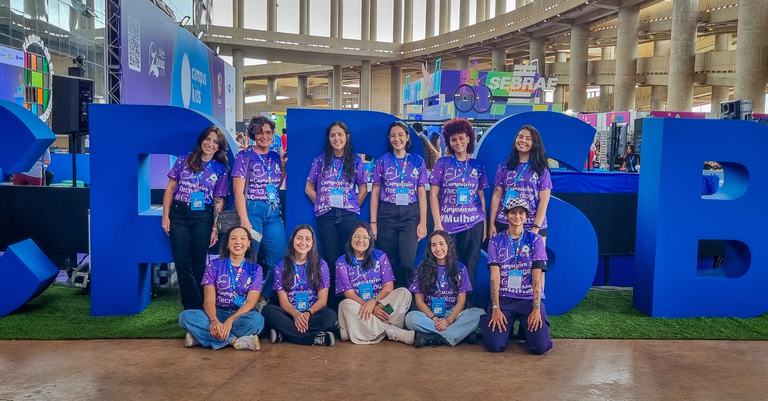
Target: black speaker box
(71,96)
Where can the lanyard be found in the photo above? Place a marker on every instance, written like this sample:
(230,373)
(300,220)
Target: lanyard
(339,170)
(631,160)
(516,248)
(441,281)
(402,170)
(299,281)
(520,175)
(200,174)
(359,268)
(267,164)
(462,171)
(234,279)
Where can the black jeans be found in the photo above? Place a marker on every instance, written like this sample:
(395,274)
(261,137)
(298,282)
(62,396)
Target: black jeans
(397,238)
(468,243)
(278,319)
(334,230)
(190,235)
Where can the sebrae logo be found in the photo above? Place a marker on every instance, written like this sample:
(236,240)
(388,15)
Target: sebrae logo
(156,61)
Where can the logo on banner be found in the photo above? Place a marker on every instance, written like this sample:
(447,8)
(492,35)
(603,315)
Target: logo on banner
(192,80)
(220,81)
(156,60)
(134,44)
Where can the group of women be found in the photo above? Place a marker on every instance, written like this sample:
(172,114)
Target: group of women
(372,288)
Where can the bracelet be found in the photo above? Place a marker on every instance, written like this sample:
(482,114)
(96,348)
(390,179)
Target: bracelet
(308,311)
(214,320)
(374,222)
(433,317)
(536,225)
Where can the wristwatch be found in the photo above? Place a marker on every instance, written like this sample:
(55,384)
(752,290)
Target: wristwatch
(378,301)
(495,307)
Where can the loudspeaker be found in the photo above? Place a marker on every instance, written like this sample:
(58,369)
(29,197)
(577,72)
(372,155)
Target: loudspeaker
(736,110)
(71,96)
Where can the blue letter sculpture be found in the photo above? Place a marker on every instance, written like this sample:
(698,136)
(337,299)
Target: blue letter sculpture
(25,138)
(124,229)
(572,239)
(31,272)
(672,216)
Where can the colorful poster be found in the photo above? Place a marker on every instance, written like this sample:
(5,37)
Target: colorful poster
(677,114)
(590,119)
(616,117)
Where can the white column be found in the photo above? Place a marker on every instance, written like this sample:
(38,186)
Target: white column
(365,85)
(408,24)
(430,26)
(365,20)
(397,22)
(237,60)
(272,15)
(302,91)
(336,87)
(304,17)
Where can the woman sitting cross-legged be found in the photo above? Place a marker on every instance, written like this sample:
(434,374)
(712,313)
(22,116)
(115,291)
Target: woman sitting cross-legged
(441,285)
(231,288)
(301,282)
(372,308)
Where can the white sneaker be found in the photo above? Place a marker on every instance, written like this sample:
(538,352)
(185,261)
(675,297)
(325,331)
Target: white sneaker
(275,336)
(402,335)
(248,342)
(190,340)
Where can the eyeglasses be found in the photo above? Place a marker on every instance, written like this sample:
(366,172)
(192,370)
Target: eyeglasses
(267,133)
(361,237)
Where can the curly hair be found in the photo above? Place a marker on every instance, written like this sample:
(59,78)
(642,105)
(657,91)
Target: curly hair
(538,156)
(313,261)
(430,153)
(427,269)
(257,124)
(458,126)
(349,153)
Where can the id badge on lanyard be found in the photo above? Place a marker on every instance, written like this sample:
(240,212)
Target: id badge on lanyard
(239,299)
(197,201)
(337,198)
(271,193)
(302,301)
(402,197)
(515,280)
(438,306)
(511,194)
(462,195)
(366,291)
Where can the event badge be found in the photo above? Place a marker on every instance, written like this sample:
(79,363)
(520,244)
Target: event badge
(197,200)
(302,301)
(239,300)
(271,193)
(401,197)
(462,196)
(511,194)
(337,198)
(366,291)
(438,306)
(515,280)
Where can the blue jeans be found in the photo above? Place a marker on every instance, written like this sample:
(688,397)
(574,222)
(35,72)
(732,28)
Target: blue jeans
(196,322)
(464,325)
(266,219)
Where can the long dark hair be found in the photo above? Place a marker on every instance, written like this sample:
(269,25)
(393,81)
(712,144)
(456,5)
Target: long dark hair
(368,261)
(404,126)
(349,152)
(224,251)
(457,126)
(430,153)
(435,141)
(427,269)
(538,156)
(314,273)
(194,161)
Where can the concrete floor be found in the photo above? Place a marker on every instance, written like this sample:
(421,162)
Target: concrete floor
(573,370)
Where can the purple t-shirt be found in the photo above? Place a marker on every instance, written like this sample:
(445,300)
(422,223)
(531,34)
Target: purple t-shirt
(387,174)
(325,180)
(448,176)
(265,170)
(350,277)
(218,275)
(528,188)
(500,252)
(212,181)
(446,289)
(302,285)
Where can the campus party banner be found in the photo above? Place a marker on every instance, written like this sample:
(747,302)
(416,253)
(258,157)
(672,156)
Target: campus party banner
(164,64)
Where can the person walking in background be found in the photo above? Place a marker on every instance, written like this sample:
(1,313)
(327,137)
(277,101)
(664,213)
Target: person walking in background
(34,177)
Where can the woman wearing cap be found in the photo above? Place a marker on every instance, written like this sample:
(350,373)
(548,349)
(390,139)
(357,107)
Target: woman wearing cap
(517,259)
(456,195)
(399,203)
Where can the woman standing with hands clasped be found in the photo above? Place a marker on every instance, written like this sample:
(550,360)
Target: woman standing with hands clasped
(197,186)
(256,179)
(337,185)
(301,281)
(517,258)
(373,307)
(440,289)
(456,195)
(399,203)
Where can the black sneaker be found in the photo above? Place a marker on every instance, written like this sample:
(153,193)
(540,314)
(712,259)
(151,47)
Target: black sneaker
(325,338)
(275,336)
(470,339)
(427,339)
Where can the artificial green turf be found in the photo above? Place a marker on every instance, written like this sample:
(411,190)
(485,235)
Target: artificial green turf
(63,313)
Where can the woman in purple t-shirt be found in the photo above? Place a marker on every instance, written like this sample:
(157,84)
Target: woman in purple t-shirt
(517,259)
(440,288)
(337,185)
(232,285)
(373,307)
(197,186)
(524,175)
(456,195)
(301,281)
(256,180)
(399,203)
